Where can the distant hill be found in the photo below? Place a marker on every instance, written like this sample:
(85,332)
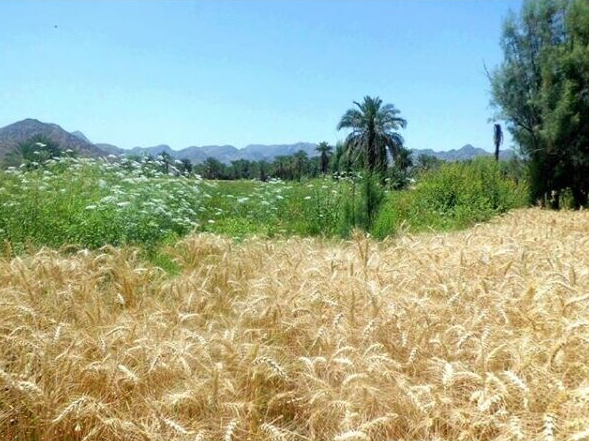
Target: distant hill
(110,149)
(80,135)
(21,131)
(223,153)
(13,134)
(464,153)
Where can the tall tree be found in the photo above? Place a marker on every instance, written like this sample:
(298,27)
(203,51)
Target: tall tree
(213,168)
(324,150)
(400,170)
(497,139)
(281,166)
(166,160)
(300,160)
(374,130)
(263,167)
(565,104)
(37,149)
(185,166)
(516,86)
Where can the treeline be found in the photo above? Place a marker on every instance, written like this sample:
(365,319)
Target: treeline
(330,161)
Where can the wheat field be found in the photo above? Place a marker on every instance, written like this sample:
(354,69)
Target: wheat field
(474,335)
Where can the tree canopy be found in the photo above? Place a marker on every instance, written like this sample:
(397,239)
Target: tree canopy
(374,130)
(542,91)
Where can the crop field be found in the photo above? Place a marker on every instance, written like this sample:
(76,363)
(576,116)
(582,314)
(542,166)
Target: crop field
(480,334)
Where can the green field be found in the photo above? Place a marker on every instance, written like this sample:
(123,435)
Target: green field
(84,203)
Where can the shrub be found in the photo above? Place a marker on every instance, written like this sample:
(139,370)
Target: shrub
(454,196)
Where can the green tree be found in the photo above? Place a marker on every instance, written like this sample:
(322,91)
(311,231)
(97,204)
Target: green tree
(185,166)
(400,170)
(374,129)
(280,165)
(299,161)
(565,105)
(324,150)
(213,169)
(263,168)
(35,150)
(240,169)
(527,42)
(166,161)
(425,162)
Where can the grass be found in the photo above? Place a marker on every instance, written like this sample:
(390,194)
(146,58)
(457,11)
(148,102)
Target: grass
(456,196)
(83,203)
(88,203)
(476,335)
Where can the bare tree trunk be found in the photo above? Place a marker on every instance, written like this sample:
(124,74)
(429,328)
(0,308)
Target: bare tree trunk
(498,139)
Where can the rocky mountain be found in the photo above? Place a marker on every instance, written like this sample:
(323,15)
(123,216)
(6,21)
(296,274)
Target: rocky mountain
(80,135)
(464,153)
(223,153)
(21,131)
(110,149)
(13,134)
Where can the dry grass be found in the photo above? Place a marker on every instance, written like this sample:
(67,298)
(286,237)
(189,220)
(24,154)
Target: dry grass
(476,335)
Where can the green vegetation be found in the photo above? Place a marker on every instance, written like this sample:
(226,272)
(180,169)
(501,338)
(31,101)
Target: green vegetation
(35,150)
(453,196)
(370,181)
(91,203)
(542,91)
(373,132)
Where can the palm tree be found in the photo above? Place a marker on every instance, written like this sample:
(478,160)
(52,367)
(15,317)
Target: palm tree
(166,161)
(374,131)
(36,149)
(263,170)
(497,139)
(300,159)
(325,150)
(280,163)
(186,166)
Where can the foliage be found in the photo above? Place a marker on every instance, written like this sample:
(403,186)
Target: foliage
(91,203)
(542,91)
(374,129)
(565,104)
(324,150)
(361,204)
(33,152)
(425,162)
(401,171)
(454,196)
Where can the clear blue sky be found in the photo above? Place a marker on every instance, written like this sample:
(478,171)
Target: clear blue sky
(209,72)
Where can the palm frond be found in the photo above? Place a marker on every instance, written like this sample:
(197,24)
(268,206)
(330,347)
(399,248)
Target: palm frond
(373,131)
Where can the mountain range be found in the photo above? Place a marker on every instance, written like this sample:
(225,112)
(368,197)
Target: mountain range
(13,134)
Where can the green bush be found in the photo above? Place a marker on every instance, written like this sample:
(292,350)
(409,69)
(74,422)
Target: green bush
(454,196)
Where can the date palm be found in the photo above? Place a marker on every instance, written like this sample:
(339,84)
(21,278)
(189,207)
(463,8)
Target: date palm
(325,152)
(299,162)
(497,139)
(374,131)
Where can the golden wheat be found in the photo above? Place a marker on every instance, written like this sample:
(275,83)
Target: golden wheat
(475,335)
